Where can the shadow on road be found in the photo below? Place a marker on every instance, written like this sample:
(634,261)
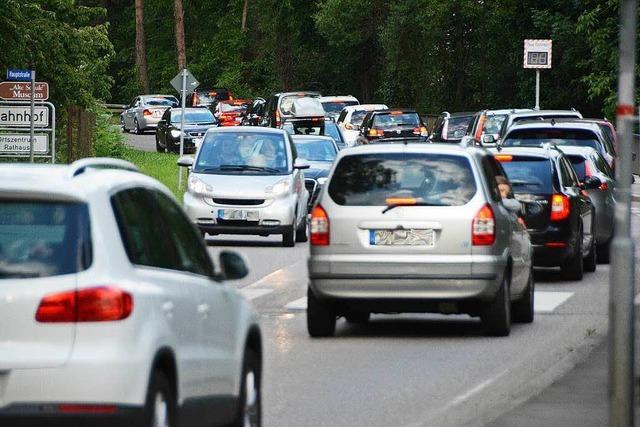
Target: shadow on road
(381,327)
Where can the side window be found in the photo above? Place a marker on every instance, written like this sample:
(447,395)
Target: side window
(192,253)
(602,165)
(141,230)
(491,169)
(567,174)
(294,151)
(342,116)
(133,102)
(167,115)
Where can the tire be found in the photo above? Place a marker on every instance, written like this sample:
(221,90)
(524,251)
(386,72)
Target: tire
(358,317)
(591,261)
(250,403)
(301,233)
(136,127)
(573,269)
(523,310)
(124,127)
(321,320)
(604,252)
(160,392)
(496,315)
(159,149)
(288,240)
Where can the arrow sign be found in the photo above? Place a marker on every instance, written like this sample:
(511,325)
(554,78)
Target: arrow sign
(18,91)
(192,83)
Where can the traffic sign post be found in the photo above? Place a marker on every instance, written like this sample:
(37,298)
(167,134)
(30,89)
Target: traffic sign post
(15,129)
(537,55)
(184,83)
(32,138)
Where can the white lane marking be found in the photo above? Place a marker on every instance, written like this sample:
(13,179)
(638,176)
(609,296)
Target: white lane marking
(466,395)
(299,304)
(547,302)
(251,294)
(544,302)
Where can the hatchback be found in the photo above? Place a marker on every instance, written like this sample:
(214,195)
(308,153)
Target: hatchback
(417,228)
(111,315)
(398,125)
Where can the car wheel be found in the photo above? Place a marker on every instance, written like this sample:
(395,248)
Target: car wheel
(321,320)
(301,233)
(496,315)
(604,251)
(160,406)
(591,261)
(357,317)
(159,149)
(136,127)
(250,408)
(288,239)
(123,125)
(573,269)
(523,310)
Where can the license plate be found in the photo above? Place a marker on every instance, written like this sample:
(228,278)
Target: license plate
(238,214)
(238,119)
(422,237)
(157,113)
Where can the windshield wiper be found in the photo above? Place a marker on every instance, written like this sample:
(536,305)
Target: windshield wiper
(247,168)
(388,208)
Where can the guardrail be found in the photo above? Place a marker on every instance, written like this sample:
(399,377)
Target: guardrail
(115,109)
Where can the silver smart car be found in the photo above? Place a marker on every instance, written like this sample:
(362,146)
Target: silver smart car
(417,228)
(246,180)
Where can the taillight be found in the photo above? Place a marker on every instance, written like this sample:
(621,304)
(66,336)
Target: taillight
(604,186)
(83,408)
(376,132)
(503,158)
(422,131)
(99,304)
(319,227)
(560,207)
(483,228)
(480,128)
(278,121)
(147,113)
(196,99)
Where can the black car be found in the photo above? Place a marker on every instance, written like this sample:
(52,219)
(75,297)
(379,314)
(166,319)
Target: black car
(255,112)
(208,97)
(451,127)
(278,107)
(392,126)
(558,213)
(196,123)
(319,152)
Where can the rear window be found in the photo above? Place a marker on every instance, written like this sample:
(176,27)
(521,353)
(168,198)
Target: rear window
(392,120)
(358,116)
(529,174)
(457,127)
(368,180)
(287,102)
(232,108)
(335,107)
(161,101)
(493,123)
(537,137)
(40,239)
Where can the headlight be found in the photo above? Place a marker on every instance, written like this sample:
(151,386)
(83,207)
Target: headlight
(322,180)
(280,187)
(175,134)
(197,186)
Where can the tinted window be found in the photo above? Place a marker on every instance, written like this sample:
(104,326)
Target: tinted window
(191,251)
(199,115)
(569,178)
(491,170)
(342,116)
(602,165)
(529,175)
(39,239)
(392,120)
(579,166)
(457,127)
(537,137)
(358,116)
(316,150)
(335,107)
(368,180)
(161,101)
(493,124)
(143,230)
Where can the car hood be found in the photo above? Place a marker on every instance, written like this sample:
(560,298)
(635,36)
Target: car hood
(241,186)
(317,170)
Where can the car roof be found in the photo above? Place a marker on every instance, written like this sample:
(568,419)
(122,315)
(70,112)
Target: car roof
(546,152)
(298,92)
(554,124)
(157,96)
(338,98)
(577,150)
(391,110)
(365,107)
(413,147)
(247,129)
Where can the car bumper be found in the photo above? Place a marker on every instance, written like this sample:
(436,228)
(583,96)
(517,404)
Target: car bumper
(149,122)
(189,146)
(275,216)
(545,256)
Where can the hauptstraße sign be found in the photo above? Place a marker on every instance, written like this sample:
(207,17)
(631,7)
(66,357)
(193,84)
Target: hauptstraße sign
(21,91)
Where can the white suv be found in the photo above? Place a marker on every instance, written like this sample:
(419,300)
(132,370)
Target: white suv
(111,311)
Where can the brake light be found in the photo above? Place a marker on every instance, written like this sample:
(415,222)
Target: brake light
(420,131)
(71,408)
(278,121)
(376,132)
(98,304)
(503,157)
(401,201)
(147,113)
(480,128)
(395,113)
(483,228)
(604,186)
(319,227)
(560,207)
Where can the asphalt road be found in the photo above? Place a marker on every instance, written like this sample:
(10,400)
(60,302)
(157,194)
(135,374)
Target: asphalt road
(408,370)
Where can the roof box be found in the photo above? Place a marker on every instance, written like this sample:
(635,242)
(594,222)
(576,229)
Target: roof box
(307,107)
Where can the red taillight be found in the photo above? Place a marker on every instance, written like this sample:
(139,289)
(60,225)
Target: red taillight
(147,113)
(196,99)
(560,207)
(420,130)
(503,158)
(483,228)
(319,227)
(278,121)
(604,186)
(376,132)
(480,128)
(72,408)
(99,304)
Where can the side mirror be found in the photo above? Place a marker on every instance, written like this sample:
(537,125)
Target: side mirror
(299,164)
(592,182)
(232,266)
(488,139)
(185,161)
(174,104)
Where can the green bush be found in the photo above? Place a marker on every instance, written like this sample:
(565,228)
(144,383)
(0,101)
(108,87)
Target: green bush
(108,140)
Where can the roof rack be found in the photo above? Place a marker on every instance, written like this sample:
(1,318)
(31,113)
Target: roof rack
(80,166)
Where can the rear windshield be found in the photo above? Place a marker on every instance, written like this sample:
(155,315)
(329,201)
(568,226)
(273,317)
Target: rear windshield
(316,150)
(358,116)
(392,120)
(233,108)
(493,124)
(537,137)
(39,239)
(579,165)
(529,175)
(161,101)
(335,107)
(457,127)
(368,180)
(191,116)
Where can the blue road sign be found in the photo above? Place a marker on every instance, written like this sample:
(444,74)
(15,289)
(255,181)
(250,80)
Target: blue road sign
(19,75)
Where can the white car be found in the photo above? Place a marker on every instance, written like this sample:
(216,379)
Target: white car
(333,105)
(247,180)
(111,310)
(351,118)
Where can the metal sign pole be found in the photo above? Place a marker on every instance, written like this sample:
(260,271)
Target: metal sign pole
(537,88)
(183,102)
(33,108)
(622,274)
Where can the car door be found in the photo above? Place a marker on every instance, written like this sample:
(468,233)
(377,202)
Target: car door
(128,114)
(164,127)
(215,305)
(571,185)
(298,182)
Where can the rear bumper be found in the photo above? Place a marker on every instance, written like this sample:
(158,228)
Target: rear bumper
(544,256)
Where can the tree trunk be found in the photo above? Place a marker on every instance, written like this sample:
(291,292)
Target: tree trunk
(245,8)
(180,45)
(141,50)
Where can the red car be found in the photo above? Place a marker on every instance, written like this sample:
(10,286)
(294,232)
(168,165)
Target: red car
(230,113)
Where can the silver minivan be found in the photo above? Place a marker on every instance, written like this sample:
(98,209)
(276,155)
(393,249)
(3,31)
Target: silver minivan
(417,228)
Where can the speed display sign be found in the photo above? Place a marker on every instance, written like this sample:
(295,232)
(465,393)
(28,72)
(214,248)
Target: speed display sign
(537,53)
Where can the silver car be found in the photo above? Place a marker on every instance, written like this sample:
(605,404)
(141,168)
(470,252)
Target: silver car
(145,112)
(599,182)
(417,228)
(246,180)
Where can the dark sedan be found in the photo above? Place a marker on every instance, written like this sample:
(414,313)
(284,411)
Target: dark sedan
(196,123)
(319,152)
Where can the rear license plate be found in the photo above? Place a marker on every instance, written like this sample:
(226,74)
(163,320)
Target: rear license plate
(238,214)
(402,238)
(157,113)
